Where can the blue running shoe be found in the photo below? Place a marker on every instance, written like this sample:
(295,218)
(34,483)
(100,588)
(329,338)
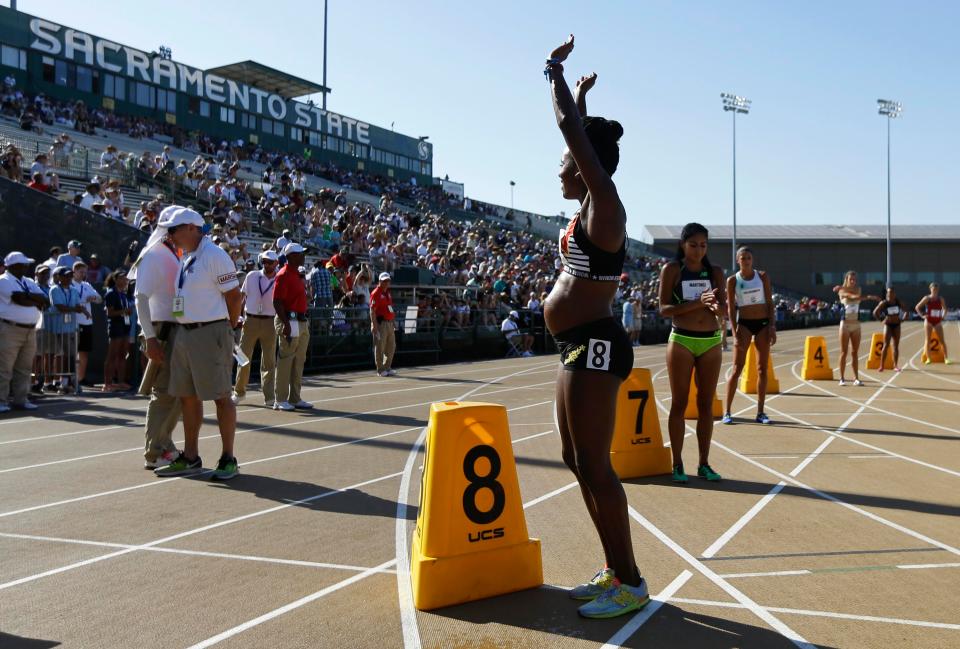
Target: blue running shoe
(617,600)
(595,587)
(727,418)
(763,419)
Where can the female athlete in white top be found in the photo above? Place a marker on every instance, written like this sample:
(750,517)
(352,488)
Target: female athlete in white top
(751,311)
(850,297)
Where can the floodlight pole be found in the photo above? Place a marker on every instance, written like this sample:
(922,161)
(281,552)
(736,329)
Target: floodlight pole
(889,234)
(324,55)
(733,243)
(890,110)
(735,104)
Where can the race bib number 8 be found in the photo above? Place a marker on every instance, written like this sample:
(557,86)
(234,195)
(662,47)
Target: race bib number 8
(693,288)
(598,355)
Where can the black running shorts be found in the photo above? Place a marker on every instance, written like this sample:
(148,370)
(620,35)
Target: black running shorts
(599,346)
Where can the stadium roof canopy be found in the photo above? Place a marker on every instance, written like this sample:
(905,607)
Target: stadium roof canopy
(270,79)
(797,233)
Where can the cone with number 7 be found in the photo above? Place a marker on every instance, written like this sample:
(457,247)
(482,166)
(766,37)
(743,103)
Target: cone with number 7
(637,449)
(471,539)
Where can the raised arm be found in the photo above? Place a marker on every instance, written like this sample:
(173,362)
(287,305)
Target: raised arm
(584,84)
(602,190)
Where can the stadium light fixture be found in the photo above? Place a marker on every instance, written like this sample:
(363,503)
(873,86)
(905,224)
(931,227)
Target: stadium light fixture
(734,104)
(891,110)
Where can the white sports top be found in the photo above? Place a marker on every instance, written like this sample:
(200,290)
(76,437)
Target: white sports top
(750,291)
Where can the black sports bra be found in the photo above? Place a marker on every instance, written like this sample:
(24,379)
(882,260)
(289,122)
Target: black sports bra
(581,258)
(691,284)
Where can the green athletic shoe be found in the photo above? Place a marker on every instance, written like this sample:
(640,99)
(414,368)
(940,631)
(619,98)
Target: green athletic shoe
(595,587)
(704,471)
(226,468)
(180,466)
(617,600)
(679,475)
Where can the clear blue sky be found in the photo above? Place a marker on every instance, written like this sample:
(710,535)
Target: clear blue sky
(469,76)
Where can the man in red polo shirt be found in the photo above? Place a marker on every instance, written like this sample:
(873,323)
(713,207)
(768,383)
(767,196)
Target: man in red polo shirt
(381,326)
(293,330)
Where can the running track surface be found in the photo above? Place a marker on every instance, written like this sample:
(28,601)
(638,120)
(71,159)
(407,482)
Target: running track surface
(837,527)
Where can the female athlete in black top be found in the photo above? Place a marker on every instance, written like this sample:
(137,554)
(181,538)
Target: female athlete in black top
(892,312)
(595,351)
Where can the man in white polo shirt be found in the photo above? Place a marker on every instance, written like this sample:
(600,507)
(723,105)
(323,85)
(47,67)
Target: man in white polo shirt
(258,327)
(206,305)
(21,302)
(155,272)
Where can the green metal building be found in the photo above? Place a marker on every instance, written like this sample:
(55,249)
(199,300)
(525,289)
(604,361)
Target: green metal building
(245,100)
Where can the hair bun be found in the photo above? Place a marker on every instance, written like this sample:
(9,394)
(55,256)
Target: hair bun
(616,131)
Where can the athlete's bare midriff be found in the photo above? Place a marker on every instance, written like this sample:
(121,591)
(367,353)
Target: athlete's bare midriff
(575,301)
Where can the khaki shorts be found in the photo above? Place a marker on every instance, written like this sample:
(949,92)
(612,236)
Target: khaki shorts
(201,364)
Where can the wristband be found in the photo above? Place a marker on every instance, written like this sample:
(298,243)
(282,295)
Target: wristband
(550,64)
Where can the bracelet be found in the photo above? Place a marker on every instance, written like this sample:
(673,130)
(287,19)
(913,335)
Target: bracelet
(551,63)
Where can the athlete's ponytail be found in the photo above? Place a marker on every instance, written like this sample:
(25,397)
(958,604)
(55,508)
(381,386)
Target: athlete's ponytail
(690,230)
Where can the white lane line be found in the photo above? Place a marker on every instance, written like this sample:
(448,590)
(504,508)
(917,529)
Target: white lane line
(523,439)
(842,503)
(211,436)
(547,496)
(828,614)
(924,566)
(787,573)
(876,456)
(776,573)
(640,618)
(303,601)
(300,421)
(193,553)
(728,588)
(877,408)
(257,409)
(159,481)
(734,529)
(197,530)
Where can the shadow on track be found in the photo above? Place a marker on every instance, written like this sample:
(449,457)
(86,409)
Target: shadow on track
(548,609)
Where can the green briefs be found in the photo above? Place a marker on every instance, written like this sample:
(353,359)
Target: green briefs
(698,342)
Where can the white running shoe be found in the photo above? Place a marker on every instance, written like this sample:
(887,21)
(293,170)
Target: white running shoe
(842,382)
(26,405)
(389,373)
(858,382)
(237,398)
(303,405)
(283,405)
(527,354)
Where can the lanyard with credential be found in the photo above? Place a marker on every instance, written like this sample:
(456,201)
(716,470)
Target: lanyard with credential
(269,285)
(183,270)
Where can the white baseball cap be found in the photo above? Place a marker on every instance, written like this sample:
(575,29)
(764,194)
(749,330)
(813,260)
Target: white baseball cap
(17,257)
(177,215)
(384,276)
(269,255)
(514,314)
(292,248)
